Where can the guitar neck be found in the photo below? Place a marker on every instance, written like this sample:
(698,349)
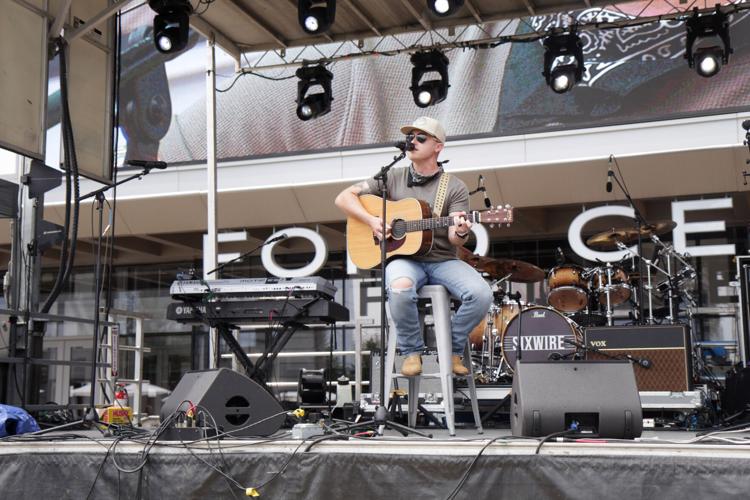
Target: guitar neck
(437,222)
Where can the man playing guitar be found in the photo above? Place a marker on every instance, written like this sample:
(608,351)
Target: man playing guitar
(405,275)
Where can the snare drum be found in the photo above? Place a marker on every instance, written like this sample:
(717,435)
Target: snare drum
(544,332)
(619,290)
(500,316)
(568,289)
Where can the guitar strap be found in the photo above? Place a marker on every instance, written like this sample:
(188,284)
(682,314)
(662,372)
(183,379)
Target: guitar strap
(440,195)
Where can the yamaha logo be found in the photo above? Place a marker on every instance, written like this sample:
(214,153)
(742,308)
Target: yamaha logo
(189,310)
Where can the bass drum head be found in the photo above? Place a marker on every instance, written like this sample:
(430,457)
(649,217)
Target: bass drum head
(544,332)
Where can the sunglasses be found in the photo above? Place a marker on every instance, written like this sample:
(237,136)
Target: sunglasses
(421,138)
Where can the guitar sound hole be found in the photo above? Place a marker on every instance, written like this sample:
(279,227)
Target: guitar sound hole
(398,229)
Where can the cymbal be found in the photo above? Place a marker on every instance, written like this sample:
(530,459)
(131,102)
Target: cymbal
(608,240)
(519,271)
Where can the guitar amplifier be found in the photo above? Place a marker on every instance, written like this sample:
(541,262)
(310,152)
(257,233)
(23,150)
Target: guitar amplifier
(666,348)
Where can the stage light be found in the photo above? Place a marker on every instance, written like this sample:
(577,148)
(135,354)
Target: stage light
(316,16)
(430,92)
(318,104)
(444,7)
(564,75)
(171,24)
(563,78)
(707,61)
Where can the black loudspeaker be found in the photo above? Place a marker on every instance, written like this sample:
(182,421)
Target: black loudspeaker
(596,396)
(736,395)
(240,406)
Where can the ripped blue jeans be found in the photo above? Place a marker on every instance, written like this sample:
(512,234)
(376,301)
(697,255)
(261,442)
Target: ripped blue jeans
(461,281)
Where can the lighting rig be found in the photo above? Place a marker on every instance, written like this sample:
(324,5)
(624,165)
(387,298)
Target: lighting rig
(313,105)
(171,24)
(563,50)
(707,61)
(444,8)
(316,16)
(558,48)
(430,92)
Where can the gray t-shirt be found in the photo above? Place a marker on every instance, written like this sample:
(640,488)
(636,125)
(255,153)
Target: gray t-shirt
(456,200)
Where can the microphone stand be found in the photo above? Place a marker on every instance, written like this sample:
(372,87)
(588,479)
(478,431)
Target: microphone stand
(640,222)
(91,415)
(246,254)
(381,419)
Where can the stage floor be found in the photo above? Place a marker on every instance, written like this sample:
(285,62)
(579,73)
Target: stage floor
(661,464)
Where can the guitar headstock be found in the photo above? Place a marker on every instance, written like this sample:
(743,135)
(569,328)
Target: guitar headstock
(500,215)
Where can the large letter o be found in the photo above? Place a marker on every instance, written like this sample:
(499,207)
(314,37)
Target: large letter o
(320,258)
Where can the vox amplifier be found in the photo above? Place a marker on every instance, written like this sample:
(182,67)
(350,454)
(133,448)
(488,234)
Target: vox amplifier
(661,352)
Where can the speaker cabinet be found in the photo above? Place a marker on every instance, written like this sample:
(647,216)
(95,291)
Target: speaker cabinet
(736,395)
(553,396)
(666,348)
(238,404)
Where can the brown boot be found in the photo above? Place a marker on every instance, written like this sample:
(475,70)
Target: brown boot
(412,365)
(458,366)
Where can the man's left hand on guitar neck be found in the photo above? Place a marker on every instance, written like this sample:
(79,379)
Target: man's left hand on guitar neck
(458,233)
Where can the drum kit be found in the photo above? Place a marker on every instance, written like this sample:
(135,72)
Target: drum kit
(577,297)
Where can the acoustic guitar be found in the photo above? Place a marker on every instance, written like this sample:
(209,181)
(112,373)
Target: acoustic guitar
(412,224)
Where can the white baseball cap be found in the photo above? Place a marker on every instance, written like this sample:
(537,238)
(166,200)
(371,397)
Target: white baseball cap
(426,124)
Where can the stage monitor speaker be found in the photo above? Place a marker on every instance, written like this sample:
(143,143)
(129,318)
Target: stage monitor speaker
(664,348)
(596,396)
(239,405)
(736,395)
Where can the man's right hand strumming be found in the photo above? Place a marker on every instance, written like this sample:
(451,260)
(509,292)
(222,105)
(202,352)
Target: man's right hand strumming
(376,224)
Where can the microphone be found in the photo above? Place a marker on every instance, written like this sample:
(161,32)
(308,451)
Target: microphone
(554,356)
(280,237)
(404,146)
(161,165)
(609,175)
(487,202)
(746,125)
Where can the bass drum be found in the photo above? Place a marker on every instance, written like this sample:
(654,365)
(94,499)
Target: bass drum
(544,332)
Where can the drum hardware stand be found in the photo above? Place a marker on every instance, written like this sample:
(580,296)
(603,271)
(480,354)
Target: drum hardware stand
(636,298)
(648,287)
(500,281)
(640,222)
(671,284)
(488,342)
(607,292)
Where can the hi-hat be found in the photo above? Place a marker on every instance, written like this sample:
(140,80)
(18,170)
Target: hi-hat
(628,235)
(516,270)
